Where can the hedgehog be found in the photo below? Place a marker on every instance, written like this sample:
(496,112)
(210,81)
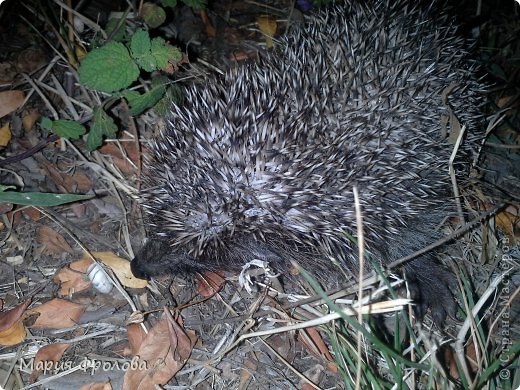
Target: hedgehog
(261,162)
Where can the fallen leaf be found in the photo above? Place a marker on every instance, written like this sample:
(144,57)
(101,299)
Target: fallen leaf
(163,352)
(5,208)
(121,268)
(211,31)
(508,220)
(267,26)
(124,155)
(30,119)
(5,134)
(312,339)
(136,335)
(52,242)
(97,386)
(46,359)
(209,283)
(14,335)
(32,212)
(73,278)
(246,375)
(12,329)
(10,101)
(57,314)
(67,181)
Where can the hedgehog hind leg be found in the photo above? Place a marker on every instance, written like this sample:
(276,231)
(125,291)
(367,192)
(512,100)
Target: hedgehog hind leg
(429,285)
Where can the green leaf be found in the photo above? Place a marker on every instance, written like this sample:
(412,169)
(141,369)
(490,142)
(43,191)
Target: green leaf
(153,15)
(138,103)
(140,46)
(116,29)
(173,94)
(102,126)
(108,68)
(46,123)
(40,198)
(164,53)
(169,3)
(65,128)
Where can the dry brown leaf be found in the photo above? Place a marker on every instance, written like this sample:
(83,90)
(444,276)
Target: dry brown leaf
(30,119)
(508,219)
(57,314)
(10,101)
(14,335)
(120,159)
(209,283)
(211,31)
(162,354)
(32,212)
(67,182)
(181,341)
(136,335)
(53,243)
(121,268)
(12,329)
(312,339)
(6,208)
(5,134)
(46,359)
(73,278)
(449,359)
(246,375)
(268,26)
(97,386)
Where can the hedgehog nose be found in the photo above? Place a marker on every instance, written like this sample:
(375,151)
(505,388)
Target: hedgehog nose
(137,269)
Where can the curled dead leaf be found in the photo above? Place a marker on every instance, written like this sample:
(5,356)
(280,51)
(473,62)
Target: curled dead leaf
(12,329)
(162,353)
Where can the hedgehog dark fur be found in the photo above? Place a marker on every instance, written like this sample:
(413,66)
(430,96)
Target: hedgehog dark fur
(261,163)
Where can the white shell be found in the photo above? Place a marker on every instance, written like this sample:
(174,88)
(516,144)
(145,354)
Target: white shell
(100,280)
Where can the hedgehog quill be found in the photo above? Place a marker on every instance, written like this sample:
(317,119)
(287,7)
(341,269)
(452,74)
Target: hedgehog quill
(260,163)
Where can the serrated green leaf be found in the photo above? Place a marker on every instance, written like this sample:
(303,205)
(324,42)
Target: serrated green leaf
(102,126)
(140,46)
(164,52)
(68,129)
(94,141)
(138,103)
(147,62)
(41,199)
(108,68)
(153,15)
